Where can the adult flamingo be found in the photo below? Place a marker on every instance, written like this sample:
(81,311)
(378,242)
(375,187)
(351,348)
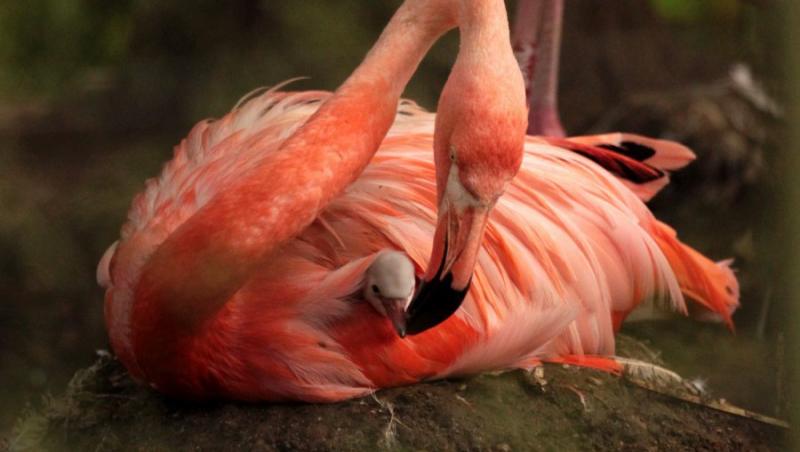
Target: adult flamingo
(242,270)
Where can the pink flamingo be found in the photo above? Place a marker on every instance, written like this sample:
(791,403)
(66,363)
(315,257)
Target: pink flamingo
(258,265)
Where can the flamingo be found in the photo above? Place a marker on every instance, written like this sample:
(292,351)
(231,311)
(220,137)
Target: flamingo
(276,256)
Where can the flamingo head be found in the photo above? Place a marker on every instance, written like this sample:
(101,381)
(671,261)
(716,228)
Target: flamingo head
(478,148)
(389,285)
(478,151)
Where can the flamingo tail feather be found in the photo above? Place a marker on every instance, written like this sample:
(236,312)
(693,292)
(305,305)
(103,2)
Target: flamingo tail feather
(641,163)
(712,285)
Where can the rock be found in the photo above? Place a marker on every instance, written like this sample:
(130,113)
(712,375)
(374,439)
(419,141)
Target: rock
(581,409)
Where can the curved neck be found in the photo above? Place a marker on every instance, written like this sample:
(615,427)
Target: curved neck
(208,258)
(478,146)
(482,23)
(485,82)
(401,46)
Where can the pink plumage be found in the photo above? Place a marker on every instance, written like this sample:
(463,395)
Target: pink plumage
(241,271)
(568,252)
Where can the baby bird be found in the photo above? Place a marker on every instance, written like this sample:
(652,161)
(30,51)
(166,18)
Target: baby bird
(389,287)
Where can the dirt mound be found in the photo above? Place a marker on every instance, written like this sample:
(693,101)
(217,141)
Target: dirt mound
(559,408)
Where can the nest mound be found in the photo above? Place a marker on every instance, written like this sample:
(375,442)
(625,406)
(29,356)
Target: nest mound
(554,408)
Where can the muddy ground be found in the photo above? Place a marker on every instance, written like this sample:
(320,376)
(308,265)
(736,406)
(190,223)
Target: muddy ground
(565,408)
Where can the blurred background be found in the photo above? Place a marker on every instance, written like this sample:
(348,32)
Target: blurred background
(94,94)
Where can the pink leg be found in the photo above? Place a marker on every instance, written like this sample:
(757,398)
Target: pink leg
(525,39)
(537,41)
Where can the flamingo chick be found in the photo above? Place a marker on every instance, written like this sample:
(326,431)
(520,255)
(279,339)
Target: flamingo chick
(389,285)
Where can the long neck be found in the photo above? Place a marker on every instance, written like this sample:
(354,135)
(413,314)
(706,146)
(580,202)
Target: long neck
(485,83)
(196,270)
(483,20)
(396,55)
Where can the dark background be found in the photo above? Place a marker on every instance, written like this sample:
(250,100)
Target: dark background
(94,94)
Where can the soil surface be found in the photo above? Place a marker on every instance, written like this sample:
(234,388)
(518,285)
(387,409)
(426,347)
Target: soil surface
(561,408)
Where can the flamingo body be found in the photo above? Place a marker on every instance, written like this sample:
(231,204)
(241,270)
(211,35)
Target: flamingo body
(568,252)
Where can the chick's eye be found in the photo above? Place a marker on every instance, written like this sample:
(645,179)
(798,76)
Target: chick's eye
(375,288)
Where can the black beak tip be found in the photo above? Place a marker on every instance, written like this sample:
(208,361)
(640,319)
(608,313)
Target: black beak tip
(435,302)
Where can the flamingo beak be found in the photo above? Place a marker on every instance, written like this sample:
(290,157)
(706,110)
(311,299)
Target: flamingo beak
(456,244)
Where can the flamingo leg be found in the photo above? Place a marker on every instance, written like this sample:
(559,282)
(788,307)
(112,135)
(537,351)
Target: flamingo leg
(537,41)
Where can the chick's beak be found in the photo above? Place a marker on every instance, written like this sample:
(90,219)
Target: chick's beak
(456,244)
(395,311)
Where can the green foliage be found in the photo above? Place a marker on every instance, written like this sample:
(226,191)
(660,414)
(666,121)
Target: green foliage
(695,10)
(206,50)
(45,44)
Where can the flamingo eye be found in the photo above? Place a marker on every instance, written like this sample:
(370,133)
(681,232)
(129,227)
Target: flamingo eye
(375,288)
